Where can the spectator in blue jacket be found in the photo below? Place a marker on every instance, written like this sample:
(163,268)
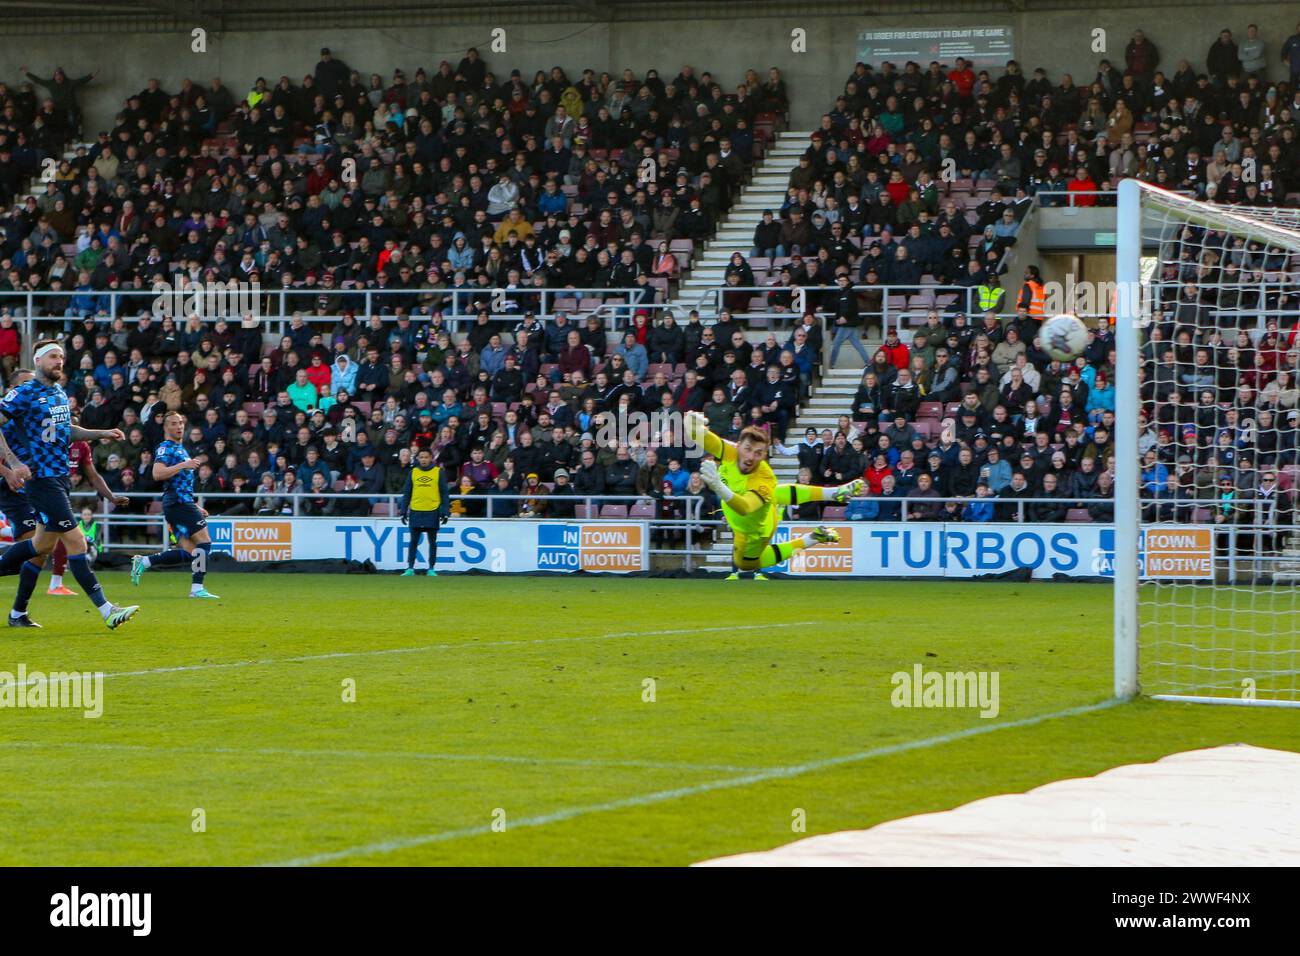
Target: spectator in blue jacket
(634,354)
(343,376)
(980,510)
(312,465)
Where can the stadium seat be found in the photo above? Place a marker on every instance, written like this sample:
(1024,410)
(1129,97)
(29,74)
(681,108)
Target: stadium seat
(613,511)
(582,511)
(1079,515)
(642,510)
(380,510)
(930,410)
(1202,516)
(834,513)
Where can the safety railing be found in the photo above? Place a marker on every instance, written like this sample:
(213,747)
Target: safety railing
(661,512)
(273,310)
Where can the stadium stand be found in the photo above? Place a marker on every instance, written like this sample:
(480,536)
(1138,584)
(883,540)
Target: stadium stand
(446,251)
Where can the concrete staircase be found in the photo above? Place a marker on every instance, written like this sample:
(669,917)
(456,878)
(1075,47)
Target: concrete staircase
(829,401)
(1287,566)
(736,232)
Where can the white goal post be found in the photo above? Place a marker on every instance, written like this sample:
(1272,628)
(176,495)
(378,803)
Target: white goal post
(1206,550)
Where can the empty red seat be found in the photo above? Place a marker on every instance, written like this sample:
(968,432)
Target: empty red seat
(1078,514)
(834,513)
(613,511)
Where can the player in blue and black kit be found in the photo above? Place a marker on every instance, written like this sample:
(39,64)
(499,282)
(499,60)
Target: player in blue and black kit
(13,499)
(42,422)
(174,467)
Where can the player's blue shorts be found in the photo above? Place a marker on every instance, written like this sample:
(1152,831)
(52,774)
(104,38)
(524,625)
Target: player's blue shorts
(423,520)
(18,510)
(48,498)
(185,518)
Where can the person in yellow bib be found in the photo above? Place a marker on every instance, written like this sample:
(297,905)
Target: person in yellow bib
(752,500)
(425,505)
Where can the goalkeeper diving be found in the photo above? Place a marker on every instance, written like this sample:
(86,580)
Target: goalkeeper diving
(752,500)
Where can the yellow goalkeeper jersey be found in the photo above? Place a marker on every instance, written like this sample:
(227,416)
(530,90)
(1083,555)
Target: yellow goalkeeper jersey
(761,481)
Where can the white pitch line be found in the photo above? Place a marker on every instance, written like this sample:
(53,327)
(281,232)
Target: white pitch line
(187,668)
(663,796)
(376,755)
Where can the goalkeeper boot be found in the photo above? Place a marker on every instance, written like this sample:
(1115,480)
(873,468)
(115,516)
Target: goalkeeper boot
(825,535)
(733,576)
(844,492)
(760,576)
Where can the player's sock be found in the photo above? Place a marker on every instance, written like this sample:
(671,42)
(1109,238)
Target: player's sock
(60,560)
(170,556)
(27,579)
(775,554)
(13,559)
(56,581)
(199,565)
(80,566)
(798,494)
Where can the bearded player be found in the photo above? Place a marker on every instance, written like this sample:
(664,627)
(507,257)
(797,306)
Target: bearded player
(751,499)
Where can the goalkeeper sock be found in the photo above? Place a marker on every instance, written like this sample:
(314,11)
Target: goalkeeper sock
(775,554)
(798,494)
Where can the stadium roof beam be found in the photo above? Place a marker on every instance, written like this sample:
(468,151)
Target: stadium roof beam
(593,8)
(185,11)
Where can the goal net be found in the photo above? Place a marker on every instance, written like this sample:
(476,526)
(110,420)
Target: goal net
(1207,555)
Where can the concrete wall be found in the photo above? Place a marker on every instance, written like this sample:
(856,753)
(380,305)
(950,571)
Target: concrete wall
(1057,40)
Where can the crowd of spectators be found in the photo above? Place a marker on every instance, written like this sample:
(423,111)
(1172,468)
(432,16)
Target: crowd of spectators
(925,174)
(968,406)
(452,179)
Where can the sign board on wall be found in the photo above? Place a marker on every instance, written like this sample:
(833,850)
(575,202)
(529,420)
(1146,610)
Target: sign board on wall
(981,46)
(865,549)
(502,546)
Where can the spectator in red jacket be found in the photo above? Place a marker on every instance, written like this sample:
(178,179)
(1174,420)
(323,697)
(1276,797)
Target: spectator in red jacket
(898,354)
(1081,187)
(318,373)
(11,345)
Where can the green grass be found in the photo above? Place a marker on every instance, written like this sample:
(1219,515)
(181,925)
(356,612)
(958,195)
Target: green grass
(526,695)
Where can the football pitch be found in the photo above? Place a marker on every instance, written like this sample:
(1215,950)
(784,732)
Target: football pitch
(376,720)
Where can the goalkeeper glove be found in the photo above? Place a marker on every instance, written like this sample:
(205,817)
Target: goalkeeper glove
(709,473)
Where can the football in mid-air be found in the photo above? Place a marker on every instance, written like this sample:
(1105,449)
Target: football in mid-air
(1064,337)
